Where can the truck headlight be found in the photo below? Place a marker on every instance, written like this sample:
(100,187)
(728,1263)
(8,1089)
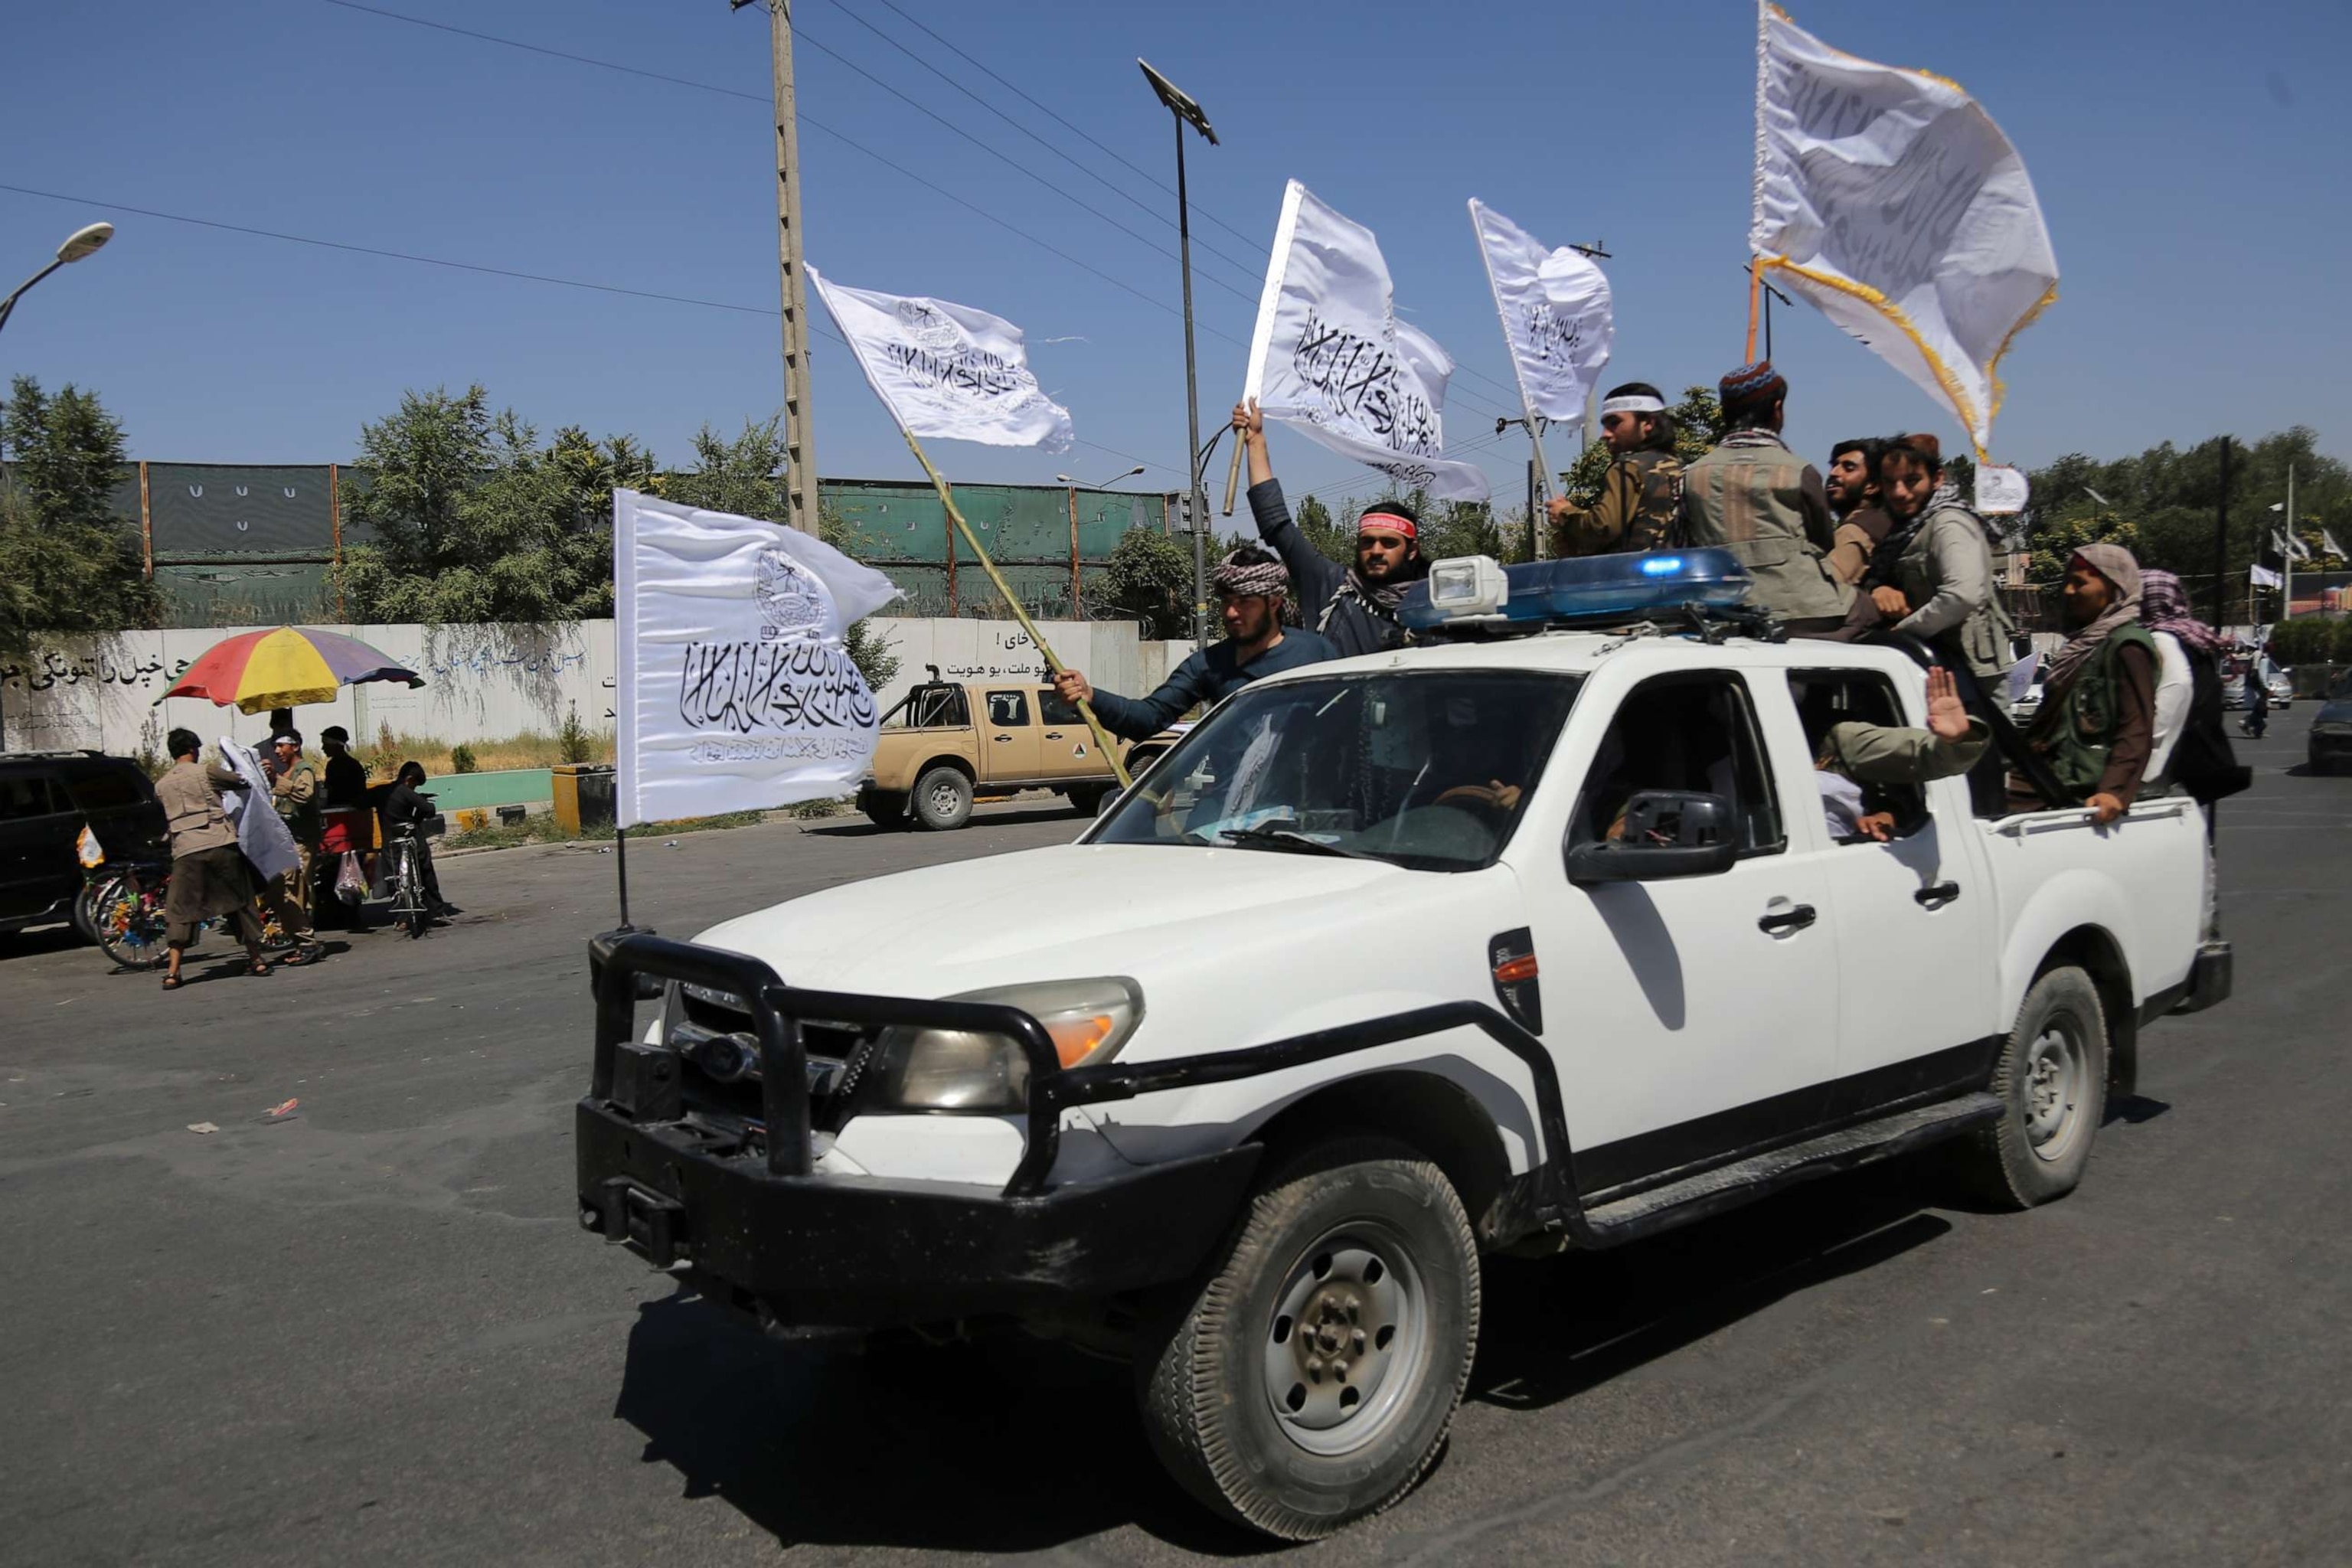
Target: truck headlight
(963,1069)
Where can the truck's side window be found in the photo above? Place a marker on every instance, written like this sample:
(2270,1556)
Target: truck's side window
(1683,732)
(1008,710)
(1828,698)
(1053,708)
(24,797)
(928,707)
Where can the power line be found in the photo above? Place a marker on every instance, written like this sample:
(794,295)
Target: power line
(1079,133)
(804,35)
(395,255)
(1247,268)
(806,119)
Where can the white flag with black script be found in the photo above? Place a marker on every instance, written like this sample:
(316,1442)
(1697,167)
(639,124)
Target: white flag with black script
(947,369)
(1329,357)
(1891,200)
(734,691)
(1555,313)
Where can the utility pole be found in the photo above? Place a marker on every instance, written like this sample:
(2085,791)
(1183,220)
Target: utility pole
(2286,556)
(800,439)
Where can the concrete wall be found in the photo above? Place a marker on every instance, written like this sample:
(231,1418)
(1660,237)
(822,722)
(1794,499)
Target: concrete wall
(482,683)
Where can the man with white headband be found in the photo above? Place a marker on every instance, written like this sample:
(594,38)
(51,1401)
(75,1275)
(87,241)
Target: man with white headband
(1354,607)
(1643,489)
(1250,585)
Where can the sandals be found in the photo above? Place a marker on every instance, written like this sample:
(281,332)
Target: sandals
(256,967)
(173,981)
(309,953)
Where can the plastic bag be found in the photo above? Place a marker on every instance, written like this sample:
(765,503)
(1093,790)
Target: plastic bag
(350,882)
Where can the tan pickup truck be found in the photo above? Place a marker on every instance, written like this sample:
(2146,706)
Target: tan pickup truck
(948,742)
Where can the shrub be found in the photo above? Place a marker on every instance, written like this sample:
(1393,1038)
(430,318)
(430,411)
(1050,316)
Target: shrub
(461,760)
(573,741)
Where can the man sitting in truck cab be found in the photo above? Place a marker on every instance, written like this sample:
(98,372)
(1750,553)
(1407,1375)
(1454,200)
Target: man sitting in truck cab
(1250,584)
(1853,759)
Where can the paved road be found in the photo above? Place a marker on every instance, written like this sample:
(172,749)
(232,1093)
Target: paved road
(374,1333)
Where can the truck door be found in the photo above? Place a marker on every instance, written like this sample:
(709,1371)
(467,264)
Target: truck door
(1008,738)
(1066,747)
(1695,1016)
(1918,1001)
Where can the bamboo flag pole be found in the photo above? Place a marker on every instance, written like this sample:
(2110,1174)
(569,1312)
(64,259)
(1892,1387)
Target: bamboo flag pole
(1755,305)
(1054,666)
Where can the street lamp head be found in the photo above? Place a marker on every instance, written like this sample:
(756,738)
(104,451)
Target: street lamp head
(1132,472)
(1187,107)
(85,241)
(1064,480)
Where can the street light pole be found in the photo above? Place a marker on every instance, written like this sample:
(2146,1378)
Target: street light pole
(1187,111)
(82,242)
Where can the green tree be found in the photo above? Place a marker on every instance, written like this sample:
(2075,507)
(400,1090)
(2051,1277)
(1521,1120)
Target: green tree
(67,562)
(2053,545)
(474,519)
(1150,578)
(745,476)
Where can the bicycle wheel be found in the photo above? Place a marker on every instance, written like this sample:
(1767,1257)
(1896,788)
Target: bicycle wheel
(408,905)
(129,919)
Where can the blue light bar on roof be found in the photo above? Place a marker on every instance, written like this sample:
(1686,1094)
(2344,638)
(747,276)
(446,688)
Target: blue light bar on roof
(1593,589)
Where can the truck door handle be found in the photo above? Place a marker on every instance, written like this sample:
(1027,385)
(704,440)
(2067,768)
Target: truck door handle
(1779,921)
(1938,895)
(1053,735)
(1001,739)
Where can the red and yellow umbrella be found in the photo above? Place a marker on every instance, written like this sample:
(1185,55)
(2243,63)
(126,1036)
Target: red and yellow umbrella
(285,669)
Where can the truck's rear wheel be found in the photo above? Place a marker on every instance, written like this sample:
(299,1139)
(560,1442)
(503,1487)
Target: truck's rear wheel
(1313,1378)
(883,808)
(1086,800)
(2053,1080)
(943,799)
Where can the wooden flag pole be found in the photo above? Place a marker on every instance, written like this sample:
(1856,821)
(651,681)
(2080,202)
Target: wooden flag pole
(1053,665)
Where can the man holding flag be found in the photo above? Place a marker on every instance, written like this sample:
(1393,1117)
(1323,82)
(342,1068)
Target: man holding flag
(1640,493)
(1250,584)
(1354,607)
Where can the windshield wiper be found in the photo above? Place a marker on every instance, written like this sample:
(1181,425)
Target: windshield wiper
(1289,840)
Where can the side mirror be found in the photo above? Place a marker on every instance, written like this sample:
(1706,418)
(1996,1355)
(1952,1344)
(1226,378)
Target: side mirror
(1668,833)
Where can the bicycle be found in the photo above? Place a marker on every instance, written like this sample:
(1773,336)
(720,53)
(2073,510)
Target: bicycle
(404,871)
(127,906)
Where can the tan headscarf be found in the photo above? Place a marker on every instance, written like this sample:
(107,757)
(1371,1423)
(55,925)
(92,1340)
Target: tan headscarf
(2115,564)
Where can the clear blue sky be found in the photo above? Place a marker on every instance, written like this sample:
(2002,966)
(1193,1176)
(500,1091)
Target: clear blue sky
(2189,159)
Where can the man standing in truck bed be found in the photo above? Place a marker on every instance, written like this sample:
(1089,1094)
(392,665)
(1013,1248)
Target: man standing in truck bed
(1249,584)
(1353,606)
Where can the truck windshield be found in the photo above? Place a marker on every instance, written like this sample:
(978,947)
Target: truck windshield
(1428,769)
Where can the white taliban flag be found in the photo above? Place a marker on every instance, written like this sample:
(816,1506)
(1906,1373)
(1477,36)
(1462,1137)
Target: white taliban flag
(734,691)
(1330,357)
(2261,576)
(947,369)
(1889,199)
(1556,311)
(2327,542)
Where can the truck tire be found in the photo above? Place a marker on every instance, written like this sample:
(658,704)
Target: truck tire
(1086,800)
(1311,1380)
(2053,1080)
(883,810)
(943,799)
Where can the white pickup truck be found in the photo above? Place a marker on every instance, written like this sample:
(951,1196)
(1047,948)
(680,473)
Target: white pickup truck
(1532,944)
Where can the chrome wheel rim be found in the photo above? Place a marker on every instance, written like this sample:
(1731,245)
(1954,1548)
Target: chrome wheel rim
(2053,1079)
(1348,1342)
(944,800)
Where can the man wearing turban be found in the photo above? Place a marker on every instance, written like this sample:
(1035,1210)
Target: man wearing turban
(1756,498)
(1250,585)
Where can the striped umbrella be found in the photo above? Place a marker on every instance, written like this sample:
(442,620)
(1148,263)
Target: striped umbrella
(284,668)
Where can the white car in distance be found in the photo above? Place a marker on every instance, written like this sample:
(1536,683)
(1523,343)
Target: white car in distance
(1523,943)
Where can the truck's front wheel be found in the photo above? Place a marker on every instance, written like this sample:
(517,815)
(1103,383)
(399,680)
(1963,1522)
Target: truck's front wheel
(1312,1379)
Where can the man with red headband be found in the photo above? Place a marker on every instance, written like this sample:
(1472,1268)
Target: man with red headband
(1354,607)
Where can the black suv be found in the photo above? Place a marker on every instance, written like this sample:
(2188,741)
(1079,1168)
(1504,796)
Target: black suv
(47,798)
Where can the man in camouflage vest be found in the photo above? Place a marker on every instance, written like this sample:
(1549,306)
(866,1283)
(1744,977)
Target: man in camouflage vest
(1765,504)
(1643,490)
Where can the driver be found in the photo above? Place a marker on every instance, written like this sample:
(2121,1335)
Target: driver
(1250,585)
